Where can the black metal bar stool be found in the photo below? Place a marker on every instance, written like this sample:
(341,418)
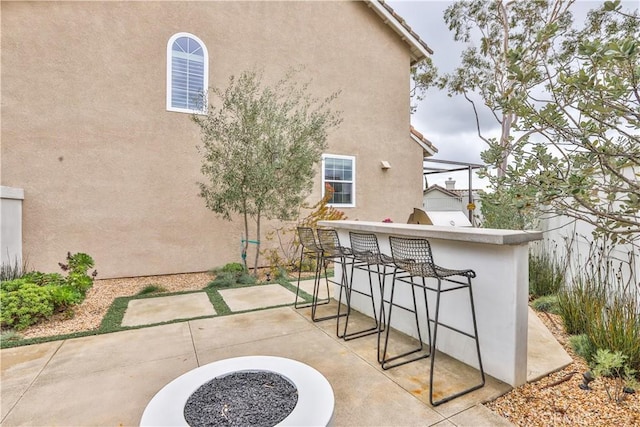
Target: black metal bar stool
(313,251)
(367,257)
(332,251)
(413,259)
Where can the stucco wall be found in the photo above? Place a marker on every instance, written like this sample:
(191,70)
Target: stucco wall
(110,172)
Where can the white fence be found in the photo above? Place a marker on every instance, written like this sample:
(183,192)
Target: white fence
(573,243)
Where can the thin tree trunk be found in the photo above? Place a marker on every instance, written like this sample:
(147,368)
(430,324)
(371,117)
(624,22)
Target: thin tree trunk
(255,263)
(245,244)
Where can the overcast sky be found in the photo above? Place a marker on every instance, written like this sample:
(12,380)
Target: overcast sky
(449,123)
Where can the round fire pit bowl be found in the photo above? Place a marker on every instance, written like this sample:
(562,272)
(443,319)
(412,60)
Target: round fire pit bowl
(315,396)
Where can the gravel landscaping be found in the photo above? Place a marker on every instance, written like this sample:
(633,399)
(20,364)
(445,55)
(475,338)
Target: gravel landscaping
(556,400)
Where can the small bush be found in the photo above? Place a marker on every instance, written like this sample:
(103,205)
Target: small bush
(546,275)
(36,296)
(579,303)
(223,280)
(26,305)
(547,304)
(246,279)
(615,365)
(582,346)
(616,328)
(233,267)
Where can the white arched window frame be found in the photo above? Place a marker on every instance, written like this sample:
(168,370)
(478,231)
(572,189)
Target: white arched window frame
(187,74)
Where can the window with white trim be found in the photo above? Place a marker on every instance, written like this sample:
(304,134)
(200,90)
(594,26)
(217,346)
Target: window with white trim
(187,74)
(339,172)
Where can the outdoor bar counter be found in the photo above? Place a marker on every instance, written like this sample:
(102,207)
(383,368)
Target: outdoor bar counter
(500,289)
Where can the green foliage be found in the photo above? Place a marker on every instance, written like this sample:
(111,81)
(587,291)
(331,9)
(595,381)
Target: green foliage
(223,280)
(567,102)
(582,346)
(614,364)
(579,303)
(246,279)
(9,335)
(518,30)
(36,295)
(27,305)
(609,321)
(503,209)
(287,254)
(12,270)
(584,158)
(233,267)
(260,147)
(547,303)
(617,328)
(546,272)
(151,289)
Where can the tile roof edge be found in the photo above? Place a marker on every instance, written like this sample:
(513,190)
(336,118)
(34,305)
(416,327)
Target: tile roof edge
(395,21)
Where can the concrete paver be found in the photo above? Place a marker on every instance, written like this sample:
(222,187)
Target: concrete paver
(544,353)
(254,297)
(163,309)
(479,416)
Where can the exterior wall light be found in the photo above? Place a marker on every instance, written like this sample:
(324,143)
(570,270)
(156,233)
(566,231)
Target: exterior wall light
(385,165)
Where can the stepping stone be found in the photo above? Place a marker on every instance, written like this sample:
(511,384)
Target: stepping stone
(254,297)
(307,286)
(163,309)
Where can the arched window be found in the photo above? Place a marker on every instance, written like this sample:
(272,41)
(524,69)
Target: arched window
(187,74)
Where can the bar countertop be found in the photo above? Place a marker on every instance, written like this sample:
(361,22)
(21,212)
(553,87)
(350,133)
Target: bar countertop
(464,234)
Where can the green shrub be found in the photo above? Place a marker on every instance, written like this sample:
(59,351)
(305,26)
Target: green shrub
(45,279)
(582,346)
(617,328)
(246,279)
(223,280)
(548,304)
(546,274)
(614,364)
(65,296)
(580,303)
(26,305)
(36,296)
(609,322)
(233,267)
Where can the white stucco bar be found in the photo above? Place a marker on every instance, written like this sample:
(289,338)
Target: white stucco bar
(501,288)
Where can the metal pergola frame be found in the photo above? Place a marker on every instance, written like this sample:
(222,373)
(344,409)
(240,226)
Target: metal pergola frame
(454,167)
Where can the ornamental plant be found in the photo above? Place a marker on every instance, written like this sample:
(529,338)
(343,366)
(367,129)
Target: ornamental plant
(36,296)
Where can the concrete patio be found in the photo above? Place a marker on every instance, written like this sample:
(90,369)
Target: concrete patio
(109,379)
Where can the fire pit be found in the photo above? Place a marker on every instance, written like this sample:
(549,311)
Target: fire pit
(273,381)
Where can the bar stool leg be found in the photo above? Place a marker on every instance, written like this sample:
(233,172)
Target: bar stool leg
(316,279)
(435,337)
(348,295)
(385,362)
(323,266)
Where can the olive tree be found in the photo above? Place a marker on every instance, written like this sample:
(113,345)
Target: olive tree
(260,144)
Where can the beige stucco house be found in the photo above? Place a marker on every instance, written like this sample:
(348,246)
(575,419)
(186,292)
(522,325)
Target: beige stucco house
(96,129)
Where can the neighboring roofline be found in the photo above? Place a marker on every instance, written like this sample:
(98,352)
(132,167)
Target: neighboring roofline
(426,145)
(437,187)
(419,49)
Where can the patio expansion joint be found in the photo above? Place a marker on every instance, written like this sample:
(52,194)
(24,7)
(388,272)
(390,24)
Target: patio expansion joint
(35,377)
(193,344)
